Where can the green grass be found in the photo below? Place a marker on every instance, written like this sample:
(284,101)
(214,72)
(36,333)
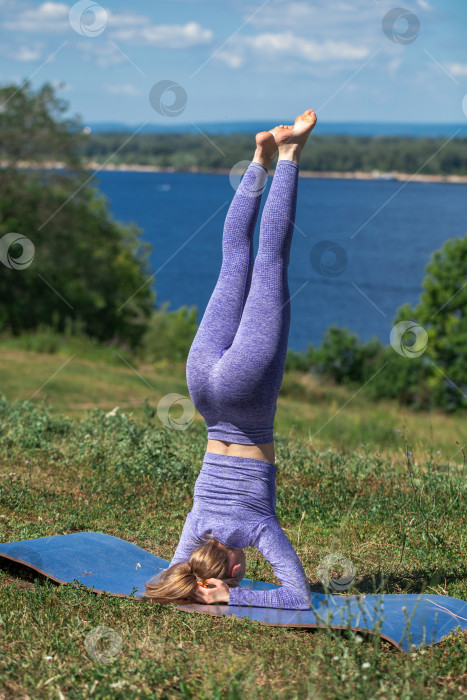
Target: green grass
(76,378)
(401,520)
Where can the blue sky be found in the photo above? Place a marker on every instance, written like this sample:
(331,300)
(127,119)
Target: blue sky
(244,59)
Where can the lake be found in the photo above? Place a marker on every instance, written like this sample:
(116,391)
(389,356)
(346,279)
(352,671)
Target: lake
(359,250)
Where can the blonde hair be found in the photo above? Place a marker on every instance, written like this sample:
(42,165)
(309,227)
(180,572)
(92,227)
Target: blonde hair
(179,583)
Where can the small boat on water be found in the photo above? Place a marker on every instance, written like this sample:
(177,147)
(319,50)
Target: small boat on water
(377,175)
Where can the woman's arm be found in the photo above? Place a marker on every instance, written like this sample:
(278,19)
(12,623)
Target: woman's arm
(188,541)
(295,593)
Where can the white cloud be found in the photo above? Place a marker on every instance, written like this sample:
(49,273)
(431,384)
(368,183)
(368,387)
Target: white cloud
(303,34)
(104,55)
(126,20)
(232,59)
(25,54)
(48,17)
(53,17)
(290,46)
(316,17)
(395,64)
(168,36)
(127,89)
(293,14)
(458,68)
(424,5)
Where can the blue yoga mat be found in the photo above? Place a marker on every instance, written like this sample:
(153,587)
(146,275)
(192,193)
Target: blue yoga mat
(110,565)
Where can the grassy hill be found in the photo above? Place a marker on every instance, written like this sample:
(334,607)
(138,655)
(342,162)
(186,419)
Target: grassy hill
(345,485)
(77,378)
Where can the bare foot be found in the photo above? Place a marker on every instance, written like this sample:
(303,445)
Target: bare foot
(266,148)
(297,133)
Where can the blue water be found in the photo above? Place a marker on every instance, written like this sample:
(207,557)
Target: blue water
(383,233)
(435,130)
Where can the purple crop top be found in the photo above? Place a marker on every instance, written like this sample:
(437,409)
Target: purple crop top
(235,500)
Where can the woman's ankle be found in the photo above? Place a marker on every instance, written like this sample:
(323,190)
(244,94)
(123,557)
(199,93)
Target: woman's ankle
(290,151)
(263,160)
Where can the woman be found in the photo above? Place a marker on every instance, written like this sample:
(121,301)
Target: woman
(234,373)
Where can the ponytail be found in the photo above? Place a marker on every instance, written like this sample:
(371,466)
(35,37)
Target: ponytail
(179,583)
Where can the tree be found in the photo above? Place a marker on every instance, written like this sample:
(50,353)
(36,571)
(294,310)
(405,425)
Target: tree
(70,258)
(442,313)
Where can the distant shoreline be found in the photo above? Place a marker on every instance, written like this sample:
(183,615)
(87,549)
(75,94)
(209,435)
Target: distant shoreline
(352,175)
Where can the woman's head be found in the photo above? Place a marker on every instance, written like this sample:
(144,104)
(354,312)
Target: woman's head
(212,559)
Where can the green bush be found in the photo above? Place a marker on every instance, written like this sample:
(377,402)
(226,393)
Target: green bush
(169,334)
(401,378)
(341,356)
(72,340)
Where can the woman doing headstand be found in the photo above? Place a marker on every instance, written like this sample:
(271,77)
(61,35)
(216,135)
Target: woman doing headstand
(234,373)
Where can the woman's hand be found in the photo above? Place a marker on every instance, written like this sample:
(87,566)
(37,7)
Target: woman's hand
(219,593)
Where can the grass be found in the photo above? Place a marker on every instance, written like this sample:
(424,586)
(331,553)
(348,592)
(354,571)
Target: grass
(76,378)
(351,489)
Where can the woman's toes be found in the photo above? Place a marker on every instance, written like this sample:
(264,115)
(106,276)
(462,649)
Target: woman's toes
(308,116)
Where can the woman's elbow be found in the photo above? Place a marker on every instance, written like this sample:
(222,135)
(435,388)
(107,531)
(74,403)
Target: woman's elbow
(298,602)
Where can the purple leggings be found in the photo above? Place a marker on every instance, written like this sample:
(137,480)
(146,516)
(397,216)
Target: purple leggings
(236,362)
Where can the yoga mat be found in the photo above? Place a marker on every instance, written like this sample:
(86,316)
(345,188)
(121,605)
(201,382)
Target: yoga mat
(110,565)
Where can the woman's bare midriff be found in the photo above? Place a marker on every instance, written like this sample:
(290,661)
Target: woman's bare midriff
(264,451)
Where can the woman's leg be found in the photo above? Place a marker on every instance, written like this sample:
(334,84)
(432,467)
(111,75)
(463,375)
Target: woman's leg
(249,375)
(246,381)
(223,312)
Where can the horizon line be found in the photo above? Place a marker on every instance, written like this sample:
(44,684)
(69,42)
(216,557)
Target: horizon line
(246,121)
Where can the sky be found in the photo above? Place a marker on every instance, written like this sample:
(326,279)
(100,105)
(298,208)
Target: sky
(195,61)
